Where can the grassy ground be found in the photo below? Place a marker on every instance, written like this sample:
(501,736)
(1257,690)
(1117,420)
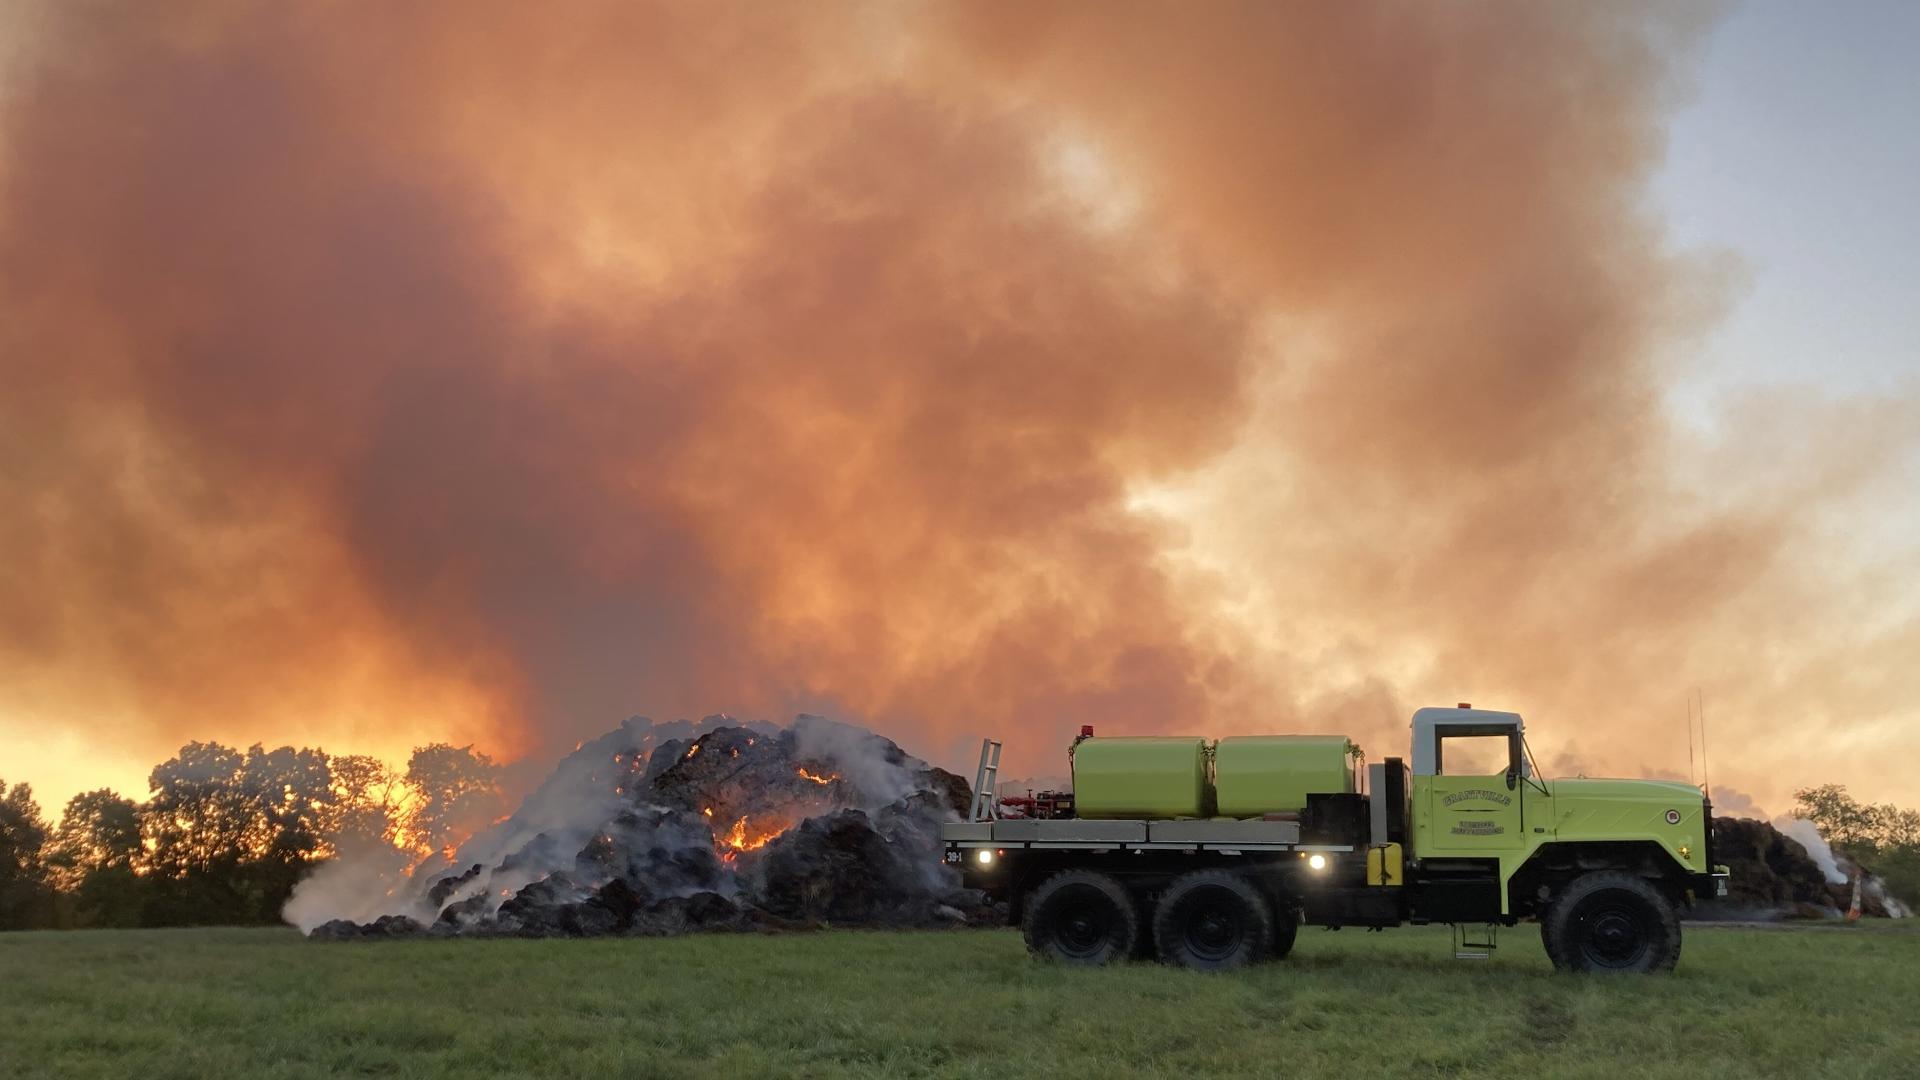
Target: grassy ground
(258,1003)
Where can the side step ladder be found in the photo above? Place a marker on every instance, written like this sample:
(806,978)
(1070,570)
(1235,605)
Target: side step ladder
(1464,948)
(986,783)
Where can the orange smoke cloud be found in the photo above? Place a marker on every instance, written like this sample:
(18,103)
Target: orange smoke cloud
(382,375)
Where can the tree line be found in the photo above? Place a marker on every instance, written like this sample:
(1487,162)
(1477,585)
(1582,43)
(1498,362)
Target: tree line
(224,834)
(1883,838)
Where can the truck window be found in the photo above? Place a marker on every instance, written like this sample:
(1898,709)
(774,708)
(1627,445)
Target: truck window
(1473,755)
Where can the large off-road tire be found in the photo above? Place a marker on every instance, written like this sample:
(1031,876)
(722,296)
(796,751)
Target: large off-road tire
(1547,939)
(1286,927)
(1213,920)
(1081,917)
(1611,921)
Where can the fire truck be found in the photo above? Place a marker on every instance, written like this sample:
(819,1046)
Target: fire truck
(1212,855)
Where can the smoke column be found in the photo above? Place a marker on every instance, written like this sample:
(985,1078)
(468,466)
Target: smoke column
(382,374)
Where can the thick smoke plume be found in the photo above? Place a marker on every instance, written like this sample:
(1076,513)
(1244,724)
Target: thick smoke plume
(380,373)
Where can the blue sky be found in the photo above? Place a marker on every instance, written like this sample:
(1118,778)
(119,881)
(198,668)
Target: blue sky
(1800,155)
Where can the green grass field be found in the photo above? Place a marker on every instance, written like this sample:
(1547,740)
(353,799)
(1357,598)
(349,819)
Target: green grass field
(263,1003)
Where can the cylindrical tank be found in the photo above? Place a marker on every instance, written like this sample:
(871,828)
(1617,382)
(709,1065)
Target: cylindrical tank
(1274,774)
(1148,777)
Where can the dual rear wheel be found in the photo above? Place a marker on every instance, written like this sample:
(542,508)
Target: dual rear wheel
(1209,920)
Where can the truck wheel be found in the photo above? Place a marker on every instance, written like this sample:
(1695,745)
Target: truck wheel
(1547,940)
(1213,920)
(1612,921)
(1080,917)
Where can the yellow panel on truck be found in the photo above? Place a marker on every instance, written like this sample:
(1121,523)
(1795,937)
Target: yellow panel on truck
(1274,774)
(1140,778)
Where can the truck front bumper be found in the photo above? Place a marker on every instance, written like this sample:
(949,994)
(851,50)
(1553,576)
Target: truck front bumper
(1711,886)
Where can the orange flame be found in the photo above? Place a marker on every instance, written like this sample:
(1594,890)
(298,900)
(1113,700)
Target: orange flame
(740,837)
(804,774)
(695,750)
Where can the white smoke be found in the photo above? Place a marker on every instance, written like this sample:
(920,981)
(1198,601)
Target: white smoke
(1896,908)
(360,885)
(1807,835)
(875,767)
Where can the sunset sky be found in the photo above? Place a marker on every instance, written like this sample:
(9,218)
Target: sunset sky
(372,376)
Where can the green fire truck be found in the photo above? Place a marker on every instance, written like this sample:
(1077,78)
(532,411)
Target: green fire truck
(1212,855)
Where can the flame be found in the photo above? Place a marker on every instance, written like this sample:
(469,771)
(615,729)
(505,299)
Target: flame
(805,775)
(741,838)
(695,750)
(707,811)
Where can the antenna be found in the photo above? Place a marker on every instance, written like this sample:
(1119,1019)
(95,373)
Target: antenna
(1692,771)
(1706,784)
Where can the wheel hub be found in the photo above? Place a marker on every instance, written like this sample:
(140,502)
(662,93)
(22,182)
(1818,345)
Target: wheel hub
(1614,937)
(1213,931)
(1083,930)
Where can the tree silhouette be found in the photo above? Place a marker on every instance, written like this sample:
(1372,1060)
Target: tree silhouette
(94,857)
(24,891)
(228,834)
(456,791)
(369,804)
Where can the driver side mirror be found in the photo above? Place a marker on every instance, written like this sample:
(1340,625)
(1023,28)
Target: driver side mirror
(1513,777)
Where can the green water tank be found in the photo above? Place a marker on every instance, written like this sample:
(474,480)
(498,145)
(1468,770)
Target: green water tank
(1273,774)
(1140,777)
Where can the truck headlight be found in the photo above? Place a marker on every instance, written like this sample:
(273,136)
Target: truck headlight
(1317,861)
(985,857)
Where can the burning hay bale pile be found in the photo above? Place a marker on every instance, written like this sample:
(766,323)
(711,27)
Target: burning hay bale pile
(739,827)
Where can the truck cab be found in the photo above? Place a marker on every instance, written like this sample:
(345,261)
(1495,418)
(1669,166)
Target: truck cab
(1478,803)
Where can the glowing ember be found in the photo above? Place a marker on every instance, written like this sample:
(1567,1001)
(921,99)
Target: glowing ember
(805,775)
(695,750)
(708,811)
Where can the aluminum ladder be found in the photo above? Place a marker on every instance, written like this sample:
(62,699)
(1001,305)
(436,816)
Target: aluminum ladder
(986,783)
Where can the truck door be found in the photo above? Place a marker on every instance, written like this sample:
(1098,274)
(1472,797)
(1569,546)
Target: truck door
(1475,804)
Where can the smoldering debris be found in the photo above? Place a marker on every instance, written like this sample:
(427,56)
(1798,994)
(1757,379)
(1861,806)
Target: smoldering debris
(1778,871)
(653,831)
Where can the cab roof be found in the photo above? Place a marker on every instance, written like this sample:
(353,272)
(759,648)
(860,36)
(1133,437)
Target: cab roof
(1430,724)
